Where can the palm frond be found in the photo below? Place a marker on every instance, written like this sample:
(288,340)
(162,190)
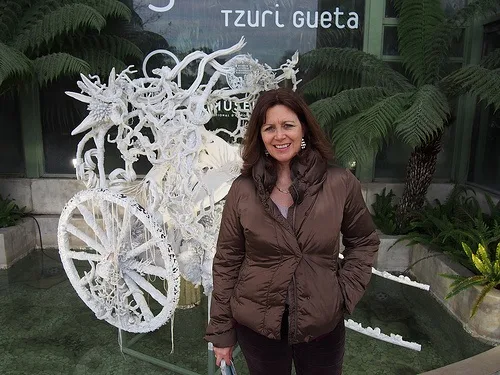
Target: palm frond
(346,102)
(475,80)
(426,116)
(53,66)
(119,47)
(110,8)
(13,63)
(327,84)
(101,62)
(492,60)
(44,27)
(11,12)
(374,71)
(360,136)
(417,22)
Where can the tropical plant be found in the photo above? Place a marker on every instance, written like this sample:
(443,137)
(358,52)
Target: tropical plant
(366,103)
(384,212)
(10,212)
(488,274)
(443,227)
(48,39)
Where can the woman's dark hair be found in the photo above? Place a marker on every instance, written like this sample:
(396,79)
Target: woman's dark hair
(253,146)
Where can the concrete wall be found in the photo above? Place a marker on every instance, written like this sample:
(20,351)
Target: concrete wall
(46,198)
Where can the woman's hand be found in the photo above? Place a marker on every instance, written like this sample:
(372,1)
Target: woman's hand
(225,354)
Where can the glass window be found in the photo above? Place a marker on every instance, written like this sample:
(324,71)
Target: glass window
(273,31)
(392,160)
(11,145)
(390,46)
(390,9)
(484,165)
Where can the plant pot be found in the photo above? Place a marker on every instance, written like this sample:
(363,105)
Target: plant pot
(485,324)
(190,295)
(16,242)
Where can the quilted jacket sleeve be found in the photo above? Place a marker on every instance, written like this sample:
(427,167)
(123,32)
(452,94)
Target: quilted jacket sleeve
(361,244)
(226,267)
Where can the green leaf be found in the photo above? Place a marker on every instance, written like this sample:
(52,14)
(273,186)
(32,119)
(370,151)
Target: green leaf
(479,265)
(483,255)
(101,62)
(360,136)
(417,22)
(345,103)
(65,19)
(53,66)
(476,80)
(460,285)
(119,47)
(110,8)
(339,61)
(424,118)
(480,299)
(13,63)
(467,250)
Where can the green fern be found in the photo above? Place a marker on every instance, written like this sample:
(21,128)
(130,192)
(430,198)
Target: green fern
(417,23)
(120,48)
(101,62)
(50,67)
(13,63)
(65,19)
(350,61)
(384,212)
(344,103)
(476,80)
(359,137)
(426,116)
(422,111)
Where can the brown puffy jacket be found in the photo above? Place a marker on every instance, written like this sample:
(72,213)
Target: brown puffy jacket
(264,260)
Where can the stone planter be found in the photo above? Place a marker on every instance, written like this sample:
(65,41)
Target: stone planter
(16,242)
(486,322)
(390,257)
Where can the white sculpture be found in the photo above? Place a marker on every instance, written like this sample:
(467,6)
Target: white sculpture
(138,235)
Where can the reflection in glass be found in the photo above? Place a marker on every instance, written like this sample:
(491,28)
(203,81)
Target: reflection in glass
(390,46)
(452,6)
(11,145)
(390,9)
(484,164)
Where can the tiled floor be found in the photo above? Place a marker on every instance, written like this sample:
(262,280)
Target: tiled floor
(45,329)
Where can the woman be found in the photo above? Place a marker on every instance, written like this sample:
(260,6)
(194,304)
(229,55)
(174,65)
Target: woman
(278,289)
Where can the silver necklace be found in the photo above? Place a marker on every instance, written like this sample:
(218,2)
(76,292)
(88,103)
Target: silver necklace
(283,191)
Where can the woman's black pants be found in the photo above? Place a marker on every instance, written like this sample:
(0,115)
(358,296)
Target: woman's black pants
(323,356)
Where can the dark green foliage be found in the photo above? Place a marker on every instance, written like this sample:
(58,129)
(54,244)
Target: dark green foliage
(443,227)
(50,39)
(384,212)
(363,103)
(10,213)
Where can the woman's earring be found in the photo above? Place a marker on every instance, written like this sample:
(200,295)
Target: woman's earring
(266,152)
(302,144)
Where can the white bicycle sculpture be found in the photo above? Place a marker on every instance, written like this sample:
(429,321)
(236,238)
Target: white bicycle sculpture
(125,241)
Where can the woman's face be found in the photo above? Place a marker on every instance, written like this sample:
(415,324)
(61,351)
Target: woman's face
(281,133)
